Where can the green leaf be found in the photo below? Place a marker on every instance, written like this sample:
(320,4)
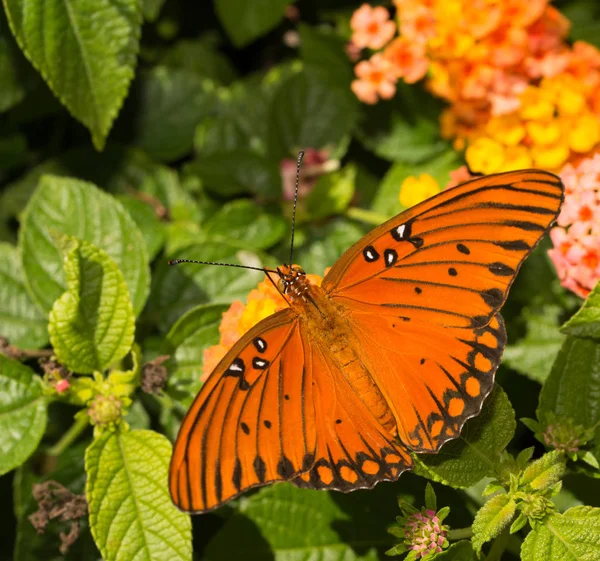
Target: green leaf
(20,319)
(476,452)
(459,551)
(186,341)
(332,194)
(282,522)
(78,209)
(430,498)
(22,413)
(86,51)
(492,518)
(307,112)
(532,355)
(92,324)
(237,172)
(245,21)
(247,223)
(177,289)
(586,322)
(325,54)
(201,58)
(572,536)
(68,470)
(131,513)
(165,106)
(583,16)
(151,9)
(543,472)
(16,75)
(571,389)
(152,229)
(323,245)
(387,199)
(405,129)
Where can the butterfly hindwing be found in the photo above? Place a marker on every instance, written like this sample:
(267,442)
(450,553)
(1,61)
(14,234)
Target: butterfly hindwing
(253,421)
(353,450)
(451,259)
(434,378)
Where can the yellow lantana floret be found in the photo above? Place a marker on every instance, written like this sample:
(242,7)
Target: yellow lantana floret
(416,189)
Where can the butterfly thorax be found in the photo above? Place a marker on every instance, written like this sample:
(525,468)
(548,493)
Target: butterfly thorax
(327,324)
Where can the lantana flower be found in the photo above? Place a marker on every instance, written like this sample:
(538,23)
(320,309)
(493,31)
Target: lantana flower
(371,27)
(376,78)
(576,237)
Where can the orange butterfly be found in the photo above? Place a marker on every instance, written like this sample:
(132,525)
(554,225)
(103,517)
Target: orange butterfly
(390,355)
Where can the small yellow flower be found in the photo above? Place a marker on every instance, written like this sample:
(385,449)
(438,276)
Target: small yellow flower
(516,157)
(536,104)
(416,189)
(570,102)
(256,310)
(507,130)
(485,155)
(550,157)
(584,133)
(544,132)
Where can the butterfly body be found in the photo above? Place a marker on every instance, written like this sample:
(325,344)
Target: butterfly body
(391,355)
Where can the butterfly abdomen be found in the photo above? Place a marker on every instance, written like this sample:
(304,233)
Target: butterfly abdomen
(329,327)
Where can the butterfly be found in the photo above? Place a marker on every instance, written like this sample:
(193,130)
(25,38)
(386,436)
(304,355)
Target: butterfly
(391,355)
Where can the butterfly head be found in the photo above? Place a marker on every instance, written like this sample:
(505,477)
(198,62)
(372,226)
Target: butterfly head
(292,280)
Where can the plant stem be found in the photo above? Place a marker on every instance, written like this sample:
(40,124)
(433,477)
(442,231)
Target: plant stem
(367,216)
(498,546)
(69,437)
(460,534)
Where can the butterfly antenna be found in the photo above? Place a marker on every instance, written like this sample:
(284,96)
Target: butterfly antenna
(300,156)
(177,261)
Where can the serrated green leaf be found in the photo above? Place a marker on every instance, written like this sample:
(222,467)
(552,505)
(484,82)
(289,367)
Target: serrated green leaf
(246,223)
(586,322)
(284,523)
(571,389)
(307,112)
(524,456)
(244,21)
(20,319)
(476,452)
(78,209)
(387,199)
(186,341)
(86,52)
(165,106)
(543,472)
(238,172)
(68,470)
(177,289)
(572,536)
(332,194)
(22,413)
(131,513)
(533,354)
(518,524)
(590,459)
(492,518)
(405,129)
(201,58)
(92,324)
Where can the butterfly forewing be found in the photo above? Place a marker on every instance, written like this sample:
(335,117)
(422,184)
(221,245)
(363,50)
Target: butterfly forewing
(451,259)
(253,421)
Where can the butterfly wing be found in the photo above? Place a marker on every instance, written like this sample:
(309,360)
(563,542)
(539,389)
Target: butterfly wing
(423,290)
(451,259)
(253,421)
(353,450)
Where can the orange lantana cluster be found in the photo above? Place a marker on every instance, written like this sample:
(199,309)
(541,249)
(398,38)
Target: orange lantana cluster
(519,95)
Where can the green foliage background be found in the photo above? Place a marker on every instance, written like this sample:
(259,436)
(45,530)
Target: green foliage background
(135,131)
